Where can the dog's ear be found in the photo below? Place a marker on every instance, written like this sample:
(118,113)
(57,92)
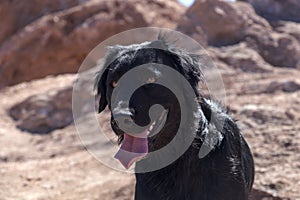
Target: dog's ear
(100,84)
(101,89)
(186,63)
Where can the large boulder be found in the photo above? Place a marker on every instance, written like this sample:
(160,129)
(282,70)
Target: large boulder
(52,109)
(187,27)
(15,14)
(278,49)
(277,9)
(241,58)
(227,23)
(44,112)
(222,22)
(58,42)
(290,28)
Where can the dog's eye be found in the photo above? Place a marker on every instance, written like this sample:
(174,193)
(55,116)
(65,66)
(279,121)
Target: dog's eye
(114,84)
(151,80)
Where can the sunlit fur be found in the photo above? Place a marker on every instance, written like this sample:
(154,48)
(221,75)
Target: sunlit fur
(226,173)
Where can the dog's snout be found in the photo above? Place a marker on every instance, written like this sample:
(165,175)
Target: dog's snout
(123,115)
(123,120)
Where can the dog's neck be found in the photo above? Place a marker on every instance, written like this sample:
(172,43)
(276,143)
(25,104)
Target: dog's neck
(207,129)
(168,132)
(173,175)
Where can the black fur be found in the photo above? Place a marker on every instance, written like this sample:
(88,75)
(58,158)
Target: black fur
(226,173)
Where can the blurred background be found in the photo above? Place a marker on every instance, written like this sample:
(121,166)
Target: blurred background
(254,43)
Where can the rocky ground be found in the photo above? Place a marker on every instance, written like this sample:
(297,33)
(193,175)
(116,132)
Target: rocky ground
(257,51)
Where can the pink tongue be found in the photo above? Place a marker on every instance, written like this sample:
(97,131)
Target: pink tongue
(132,149)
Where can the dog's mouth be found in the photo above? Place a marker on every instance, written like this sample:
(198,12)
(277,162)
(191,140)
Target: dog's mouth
(134,147)
(158,124)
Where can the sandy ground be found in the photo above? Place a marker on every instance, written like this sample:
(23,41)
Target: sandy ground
(57,166)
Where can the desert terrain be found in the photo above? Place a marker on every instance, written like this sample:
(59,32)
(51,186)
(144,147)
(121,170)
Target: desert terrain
(42,44)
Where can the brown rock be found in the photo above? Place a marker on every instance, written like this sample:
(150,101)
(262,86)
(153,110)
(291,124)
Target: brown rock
(278,49)
(160,13)
(277,10)
(222,22)
(263,114)
(242,58)
(44,113)
(257,194)
(57,43)
(290,28)
(286,86)
(14,14)
(187,27)
(227,23)
(291,114)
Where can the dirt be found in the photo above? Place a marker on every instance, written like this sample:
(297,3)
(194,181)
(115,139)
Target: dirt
(57,166)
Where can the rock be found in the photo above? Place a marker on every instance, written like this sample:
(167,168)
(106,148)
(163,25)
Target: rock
(58,42)
(83,96)
(14,14)
(291,114)
(51,44)
(44,113)
(242,58)
(290,28)
(222,67)
(277,10)
(278,49)
(261,114)
(275,87)
(222,22)
(187,27)
(160,13)
(227,23)
(257,194)
(286,86)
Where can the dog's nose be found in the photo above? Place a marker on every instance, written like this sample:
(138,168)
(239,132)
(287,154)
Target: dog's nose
(124,121)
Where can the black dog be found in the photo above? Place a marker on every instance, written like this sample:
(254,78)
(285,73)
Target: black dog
(226,173)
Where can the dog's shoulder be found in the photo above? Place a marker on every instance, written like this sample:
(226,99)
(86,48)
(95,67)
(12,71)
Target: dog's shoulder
(217,124)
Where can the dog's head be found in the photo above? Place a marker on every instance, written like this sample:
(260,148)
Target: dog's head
(159,131)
